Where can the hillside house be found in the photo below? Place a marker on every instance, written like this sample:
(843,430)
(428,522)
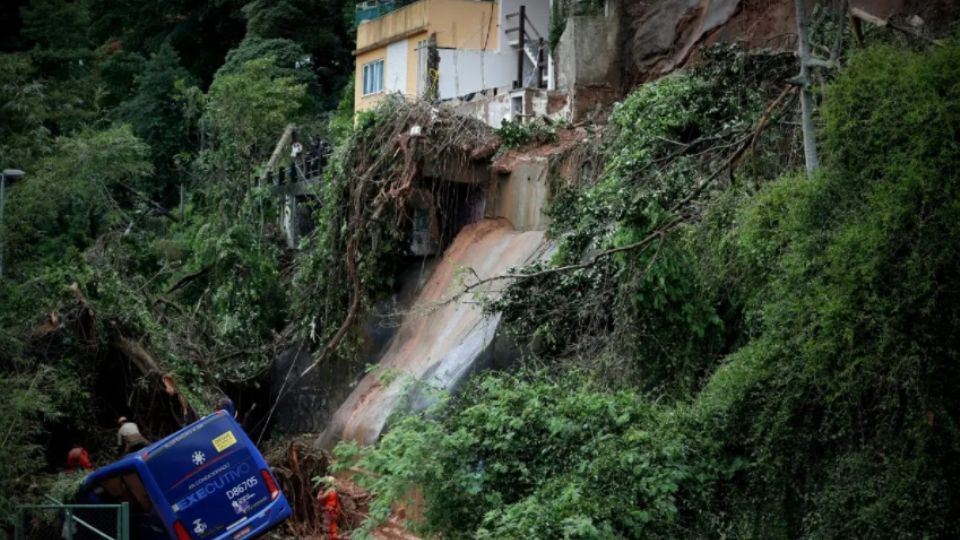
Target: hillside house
(453,49)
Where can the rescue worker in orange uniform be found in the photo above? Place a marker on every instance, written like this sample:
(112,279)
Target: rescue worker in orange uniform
(330,506)
(78,457)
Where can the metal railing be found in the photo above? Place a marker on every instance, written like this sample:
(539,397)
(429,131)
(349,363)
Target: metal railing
(531,47)
(73,522)
(373,9)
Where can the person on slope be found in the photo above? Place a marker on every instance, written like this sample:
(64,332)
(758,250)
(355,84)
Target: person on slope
(330,506)
(129,438)
(78,458)
(226,404)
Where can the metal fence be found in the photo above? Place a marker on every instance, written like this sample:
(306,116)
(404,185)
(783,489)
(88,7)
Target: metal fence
(73,522)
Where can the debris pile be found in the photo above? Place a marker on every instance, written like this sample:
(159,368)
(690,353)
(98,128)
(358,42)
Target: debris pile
(298,468)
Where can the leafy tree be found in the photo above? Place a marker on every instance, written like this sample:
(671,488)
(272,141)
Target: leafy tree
(80,191)
(244,114)
(318,26)
(23,137)
(116,69)
(61,54)
(288,58)
(157,118)
(57,24)
(202,31)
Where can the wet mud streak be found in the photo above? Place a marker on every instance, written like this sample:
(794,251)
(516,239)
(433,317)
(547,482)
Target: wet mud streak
(437,343)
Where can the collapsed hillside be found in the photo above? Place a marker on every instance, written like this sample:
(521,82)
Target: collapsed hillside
(722,345)
(717,346)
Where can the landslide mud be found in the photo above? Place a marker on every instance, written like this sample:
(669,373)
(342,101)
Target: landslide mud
(438,341)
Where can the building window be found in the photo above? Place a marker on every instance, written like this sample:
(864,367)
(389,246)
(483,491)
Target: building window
(373,77)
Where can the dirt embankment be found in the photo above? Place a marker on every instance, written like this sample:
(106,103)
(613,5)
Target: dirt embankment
(658,37)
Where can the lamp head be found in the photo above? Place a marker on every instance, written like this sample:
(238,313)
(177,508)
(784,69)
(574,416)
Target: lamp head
(13,174)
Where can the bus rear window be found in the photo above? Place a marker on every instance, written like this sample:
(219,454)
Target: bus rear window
(125,487)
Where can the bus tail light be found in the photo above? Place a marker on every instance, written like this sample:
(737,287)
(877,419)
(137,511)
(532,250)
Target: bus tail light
(181,531)
(271,484)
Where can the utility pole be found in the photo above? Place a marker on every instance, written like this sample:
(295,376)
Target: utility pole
(806,99)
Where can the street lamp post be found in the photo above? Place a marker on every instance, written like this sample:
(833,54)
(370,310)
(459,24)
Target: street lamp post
(13,175)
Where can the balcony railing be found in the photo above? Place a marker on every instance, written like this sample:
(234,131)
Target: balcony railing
(372,9)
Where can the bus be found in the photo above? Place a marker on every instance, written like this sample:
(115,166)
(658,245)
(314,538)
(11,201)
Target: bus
(205,482)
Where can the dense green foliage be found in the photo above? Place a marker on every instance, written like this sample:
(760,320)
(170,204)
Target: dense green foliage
(645,313)
(138,243)
(516,134)
(719,347)
(822,405)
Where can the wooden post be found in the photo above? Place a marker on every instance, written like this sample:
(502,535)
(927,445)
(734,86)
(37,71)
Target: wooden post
(432,88)
(293,222)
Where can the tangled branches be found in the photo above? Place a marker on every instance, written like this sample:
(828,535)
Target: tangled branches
(374,180)
(623,282)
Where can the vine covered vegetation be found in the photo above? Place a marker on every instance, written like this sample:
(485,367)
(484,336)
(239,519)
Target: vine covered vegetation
(143,271)
(718,346)
(777,362)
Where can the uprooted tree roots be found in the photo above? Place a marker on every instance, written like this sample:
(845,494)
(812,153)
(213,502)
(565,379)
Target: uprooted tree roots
(298,468)
(381,165)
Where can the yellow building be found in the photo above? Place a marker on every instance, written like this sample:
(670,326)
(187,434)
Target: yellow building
(473,46)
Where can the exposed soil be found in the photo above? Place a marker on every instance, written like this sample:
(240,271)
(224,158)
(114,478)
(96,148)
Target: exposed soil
(438,339)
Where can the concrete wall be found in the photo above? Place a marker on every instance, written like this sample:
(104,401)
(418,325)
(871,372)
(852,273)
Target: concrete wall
(392,26)
(522,196)
(517,105)
(464,24)
(588,51)
(587,60)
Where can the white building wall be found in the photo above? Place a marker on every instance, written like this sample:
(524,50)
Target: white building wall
(465,71)
(395,68)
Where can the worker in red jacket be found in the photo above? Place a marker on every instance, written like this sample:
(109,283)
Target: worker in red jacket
(330,506)
(78,457)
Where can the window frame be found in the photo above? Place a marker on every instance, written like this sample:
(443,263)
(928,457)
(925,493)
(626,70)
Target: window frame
(125,486)
(363,77)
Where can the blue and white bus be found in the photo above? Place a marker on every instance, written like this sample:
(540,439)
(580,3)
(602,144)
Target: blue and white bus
(205,482)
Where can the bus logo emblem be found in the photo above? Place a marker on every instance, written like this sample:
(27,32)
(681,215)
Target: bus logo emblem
(198,458)
(199,526)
